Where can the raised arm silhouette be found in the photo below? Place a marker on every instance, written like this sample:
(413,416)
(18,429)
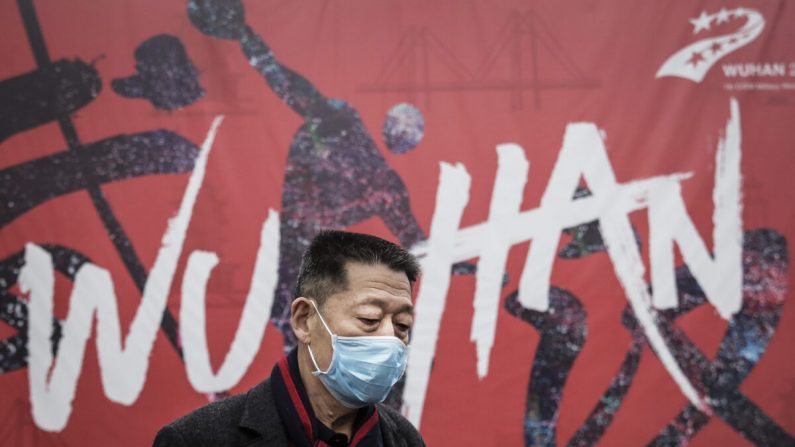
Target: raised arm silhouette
(335,176)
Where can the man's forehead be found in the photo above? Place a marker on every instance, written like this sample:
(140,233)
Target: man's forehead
(352,299)
(396,304)
(380,294)
(377,276)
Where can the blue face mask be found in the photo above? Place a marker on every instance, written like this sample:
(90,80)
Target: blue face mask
(362,369)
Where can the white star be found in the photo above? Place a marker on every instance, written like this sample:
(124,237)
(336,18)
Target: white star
(723,15)
(702,22)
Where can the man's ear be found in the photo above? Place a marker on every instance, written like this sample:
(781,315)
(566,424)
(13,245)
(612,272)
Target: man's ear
(300,311)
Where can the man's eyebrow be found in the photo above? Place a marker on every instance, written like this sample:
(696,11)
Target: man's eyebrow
(380,302)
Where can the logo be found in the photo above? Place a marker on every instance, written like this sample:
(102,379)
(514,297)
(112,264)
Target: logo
(694,61)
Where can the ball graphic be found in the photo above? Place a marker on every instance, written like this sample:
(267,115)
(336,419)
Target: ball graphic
(404,128)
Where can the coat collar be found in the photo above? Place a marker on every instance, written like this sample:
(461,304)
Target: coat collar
(261,417)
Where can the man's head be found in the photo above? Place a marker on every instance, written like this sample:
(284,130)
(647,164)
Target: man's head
(324,273)
(352,285)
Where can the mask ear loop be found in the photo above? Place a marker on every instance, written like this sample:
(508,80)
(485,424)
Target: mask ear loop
(311,354)
(321,318)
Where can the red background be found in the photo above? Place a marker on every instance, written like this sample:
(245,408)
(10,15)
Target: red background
(653,127)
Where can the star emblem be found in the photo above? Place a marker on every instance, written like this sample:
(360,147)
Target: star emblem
(723,15)
(702,22)
(695,58)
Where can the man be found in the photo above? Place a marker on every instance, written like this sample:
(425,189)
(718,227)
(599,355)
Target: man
(352,316)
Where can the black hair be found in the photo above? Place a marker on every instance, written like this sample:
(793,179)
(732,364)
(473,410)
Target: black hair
(323,272)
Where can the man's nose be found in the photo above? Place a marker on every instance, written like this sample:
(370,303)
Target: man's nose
(387,328)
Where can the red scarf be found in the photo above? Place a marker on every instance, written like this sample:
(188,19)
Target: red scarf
(302,427)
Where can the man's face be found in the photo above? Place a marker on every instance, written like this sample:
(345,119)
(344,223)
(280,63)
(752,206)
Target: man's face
(377,302)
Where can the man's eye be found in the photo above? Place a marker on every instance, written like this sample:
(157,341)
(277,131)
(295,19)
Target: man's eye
(403,327)
(369,321)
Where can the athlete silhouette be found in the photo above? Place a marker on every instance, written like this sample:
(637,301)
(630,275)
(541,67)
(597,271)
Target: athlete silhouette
(335,175)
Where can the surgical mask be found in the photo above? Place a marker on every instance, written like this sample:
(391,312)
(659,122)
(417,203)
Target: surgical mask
(362,369)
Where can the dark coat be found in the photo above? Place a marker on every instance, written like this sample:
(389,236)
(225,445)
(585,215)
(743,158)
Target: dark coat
(251,419)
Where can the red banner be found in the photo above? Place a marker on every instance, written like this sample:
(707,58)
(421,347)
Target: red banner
(597,191)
